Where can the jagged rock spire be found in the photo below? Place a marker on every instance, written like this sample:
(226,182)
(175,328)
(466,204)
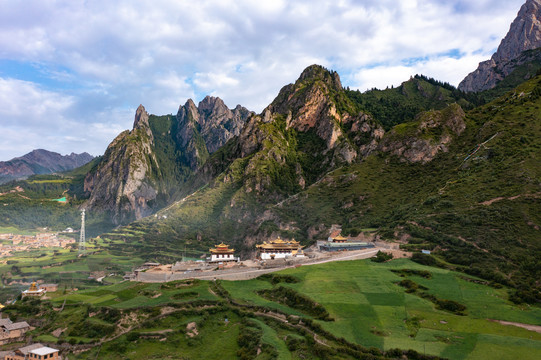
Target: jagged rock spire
(524,34)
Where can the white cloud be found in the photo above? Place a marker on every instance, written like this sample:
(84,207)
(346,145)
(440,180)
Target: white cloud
(444,69)
(35,118)
(100,59)
(23,102)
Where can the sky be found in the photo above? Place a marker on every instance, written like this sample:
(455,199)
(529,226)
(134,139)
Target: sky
(72,73)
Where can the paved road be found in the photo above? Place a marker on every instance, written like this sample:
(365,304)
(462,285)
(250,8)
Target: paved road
(245,274)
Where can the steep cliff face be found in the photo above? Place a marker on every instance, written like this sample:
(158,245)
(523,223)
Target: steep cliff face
(122,181)
(192,145)
(218,123)
(312,104)
(317,104)
(40,162)
(310,128)
(422,140)
(524,34)
(144,167)
(202,130)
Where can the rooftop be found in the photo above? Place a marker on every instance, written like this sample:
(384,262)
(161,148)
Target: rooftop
(222,248)
(347,244)
(25,350)
(279,244)
(44,351)
(17,325)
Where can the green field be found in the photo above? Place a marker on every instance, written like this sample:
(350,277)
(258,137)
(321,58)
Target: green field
(64,267)
(370,309)
(368,306)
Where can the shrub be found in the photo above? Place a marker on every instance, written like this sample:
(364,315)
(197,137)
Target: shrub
(133,336)
(410,286)
(382,257)
(295,300)
(276,278)
(424,259)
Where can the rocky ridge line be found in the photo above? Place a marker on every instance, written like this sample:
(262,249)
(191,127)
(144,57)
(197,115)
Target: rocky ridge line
(524,34)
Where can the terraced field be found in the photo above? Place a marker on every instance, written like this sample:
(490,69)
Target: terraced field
(373,308)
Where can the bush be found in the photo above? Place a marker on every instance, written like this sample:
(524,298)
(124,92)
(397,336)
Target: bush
(424,259)
(293,299)
(410,286)
(382,257)
(276,278)
(405,272)
(248,340)
(451,306)
(133,336)
(185,295)
(294,343)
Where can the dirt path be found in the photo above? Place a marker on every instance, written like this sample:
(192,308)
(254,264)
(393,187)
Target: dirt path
(535,328)
(157,332)
(283,319)
(491,201)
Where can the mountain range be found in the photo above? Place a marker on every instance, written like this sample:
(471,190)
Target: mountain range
(40,162)
(453,171)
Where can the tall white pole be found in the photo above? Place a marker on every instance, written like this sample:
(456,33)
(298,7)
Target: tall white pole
(82,245)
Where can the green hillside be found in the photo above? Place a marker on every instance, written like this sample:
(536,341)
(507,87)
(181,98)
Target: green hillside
(465,186)
(394,106)
(29,204)
(371,313)
(476,205)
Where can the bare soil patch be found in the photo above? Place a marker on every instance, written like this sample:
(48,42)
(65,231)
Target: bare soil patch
(530,327)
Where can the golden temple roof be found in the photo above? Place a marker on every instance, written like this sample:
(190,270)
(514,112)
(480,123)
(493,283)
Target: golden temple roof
(221,248)
(340,238)
(279,244)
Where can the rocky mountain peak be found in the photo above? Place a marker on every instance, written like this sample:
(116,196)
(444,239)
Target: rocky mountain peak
(141,118)
(212,120)
(317,104)
(187,114)
(318,72)
(316,101)
(211,105)
(524,34)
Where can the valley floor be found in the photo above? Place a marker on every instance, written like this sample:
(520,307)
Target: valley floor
(323,311)
(254,269)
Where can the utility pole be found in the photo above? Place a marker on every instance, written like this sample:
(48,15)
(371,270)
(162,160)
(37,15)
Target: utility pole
(82,245)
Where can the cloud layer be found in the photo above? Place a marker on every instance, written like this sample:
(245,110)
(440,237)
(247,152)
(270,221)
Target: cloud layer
(72,73)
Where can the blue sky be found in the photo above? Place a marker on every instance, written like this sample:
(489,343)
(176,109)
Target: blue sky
(73,72)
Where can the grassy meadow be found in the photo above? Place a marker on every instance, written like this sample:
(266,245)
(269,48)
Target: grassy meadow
(366,304)
(371,309)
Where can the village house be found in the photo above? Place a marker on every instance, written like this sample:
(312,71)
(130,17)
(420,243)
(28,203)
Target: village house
(31,352)
(49,287)
(11,332)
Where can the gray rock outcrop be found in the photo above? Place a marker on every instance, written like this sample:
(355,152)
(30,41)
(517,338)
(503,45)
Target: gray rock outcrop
(524,34)
(205,128)
(122,183)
